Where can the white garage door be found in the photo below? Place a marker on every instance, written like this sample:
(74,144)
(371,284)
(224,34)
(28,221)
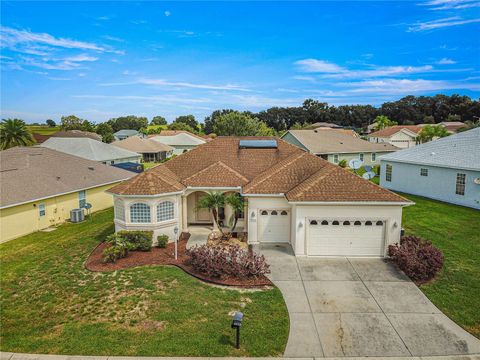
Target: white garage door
(345,237)
(274,225)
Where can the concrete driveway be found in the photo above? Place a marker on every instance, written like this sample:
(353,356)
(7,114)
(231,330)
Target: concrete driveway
(359,307)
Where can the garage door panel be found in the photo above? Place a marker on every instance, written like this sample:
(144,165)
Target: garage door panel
(274,225)
(345,240)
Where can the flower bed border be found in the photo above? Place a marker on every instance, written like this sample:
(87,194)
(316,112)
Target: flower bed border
(165,256)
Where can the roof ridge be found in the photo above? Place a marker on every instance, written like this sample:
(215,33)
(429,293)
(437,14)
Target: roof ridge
(313,181)
(265,175)
(219,162)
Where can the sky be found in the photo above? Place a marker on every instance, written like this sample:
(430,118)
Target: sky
(100,59)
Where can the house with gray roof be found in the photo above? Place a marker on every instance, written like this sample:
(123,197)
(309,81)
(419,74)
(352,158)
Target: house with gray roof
(336,145)
(92,150)
(447,169)
(124,134)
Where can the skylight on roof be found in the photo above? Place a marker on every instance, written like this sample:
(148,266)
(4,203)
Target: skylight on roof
(258,144)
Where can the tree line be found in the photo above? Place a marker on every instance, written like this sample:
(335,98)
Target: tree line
(409,110)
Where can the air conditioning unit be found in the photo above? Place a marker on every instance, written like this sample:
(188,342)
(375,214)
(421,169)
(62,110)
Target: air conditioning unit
(77,215)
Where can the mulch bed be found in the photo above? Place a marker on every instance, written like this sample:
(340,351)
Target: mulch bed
(166,256)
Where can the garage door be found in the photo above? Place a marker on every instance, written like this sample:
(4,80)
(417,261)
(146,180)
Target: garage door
(345,237)
(274,225)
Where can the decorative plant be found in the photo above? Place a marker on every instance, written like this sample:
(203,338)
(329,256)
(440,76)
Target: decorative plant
(343,163)
(162,241)
(212,201)
(237,203)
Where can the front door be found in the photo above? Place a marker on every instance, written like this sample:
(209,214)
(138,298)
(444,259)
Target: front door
(202,214)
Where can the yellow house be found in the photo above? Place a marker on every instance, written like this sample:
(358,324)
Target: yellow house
(39,187)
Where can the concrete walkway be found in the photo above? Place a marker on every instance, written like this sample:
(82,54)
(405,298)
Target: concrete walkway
(351,307)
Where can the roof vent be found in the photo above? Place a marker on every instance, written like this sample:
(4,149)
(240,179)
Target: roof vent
(258,144)
(315,130)
(91,168)
(432,153)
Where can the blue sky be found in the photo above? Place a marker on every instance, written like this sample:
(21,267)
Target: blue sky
(104,59)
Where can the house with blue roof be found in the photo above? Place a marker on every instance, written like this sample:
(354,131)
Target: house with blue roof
(447,169)
(125,134)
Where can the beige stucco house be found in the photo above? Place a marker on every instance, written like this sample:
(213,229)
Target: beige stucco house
(291,197)
(401,136)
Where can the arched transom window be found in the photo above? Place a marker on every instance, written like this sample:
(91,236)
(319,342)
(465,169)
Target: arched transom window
(140,213)
(165,211)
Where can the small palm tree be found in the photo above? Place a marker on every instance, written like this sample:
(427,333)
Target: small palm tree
(212,201)
(237,203)
(14,132)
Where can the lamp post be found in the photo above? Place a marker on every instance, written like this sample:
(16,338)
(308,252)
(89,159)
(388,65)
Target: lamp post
(175,230)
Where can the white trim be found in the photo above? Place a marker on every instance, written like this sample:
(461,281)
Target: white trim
(389,203)
(355,152)
(411,162)
(61,194)
(145,196)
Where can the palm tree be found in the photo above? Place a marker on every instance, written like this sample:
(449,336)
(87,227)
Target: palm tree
(382,122)
(14,132)
(237,204)
(212,201)
(430,132)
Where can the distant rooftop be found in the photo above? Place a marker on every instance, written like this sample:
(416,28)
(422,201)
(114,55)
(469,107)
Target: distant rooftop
(258,144)
(126,132)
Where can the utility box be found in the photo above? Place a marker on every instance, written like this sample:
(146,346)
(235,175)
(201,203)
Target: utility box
(77,215)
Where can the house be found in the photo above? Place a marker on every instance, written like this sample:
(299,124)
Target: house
(92,150)
(291,197)
(447,169)
(401,136)
(126,133)
(451,126)
(77,134)
(338,145)
(181,141)
(325,125)
(151,150)
(40,186)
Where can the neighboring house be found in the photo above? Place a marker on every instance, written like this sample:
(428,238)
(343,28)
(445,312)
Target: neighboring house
(40,186)
(292,197)
(151,150)
(325,125)
(447,169)
(124,134)
(92,150)
(338,145)
(181,141)
(451,126)
(401,136)
(77,134)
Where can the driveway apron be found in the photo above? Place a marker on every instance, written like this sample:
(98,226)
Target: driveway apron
(353,307)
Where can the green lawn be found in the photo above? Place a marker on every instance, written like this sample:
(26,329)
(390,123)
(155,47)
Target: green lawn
(43,130)
(149,165)
(361,171)
(51,304)
(456,231)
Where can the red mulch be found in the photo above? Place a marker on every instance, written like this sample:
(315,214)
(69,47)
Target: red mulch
(165,256)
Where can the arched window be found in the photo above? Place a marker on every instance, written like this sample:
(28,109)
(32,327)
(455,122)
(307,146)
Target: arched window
(346,223)
(273,213)
(313,222)
(335,222)
(119,210)
(283,213)
(165,211)
(264,212)
(324,222)
(368,223)
(357,223)
(140,213)
(379,223)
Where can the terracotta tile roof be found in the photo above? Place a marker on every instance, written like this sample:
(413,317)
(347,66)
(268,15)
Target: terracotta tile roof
(176,132)
(389,131)
(286,169)
(217,174)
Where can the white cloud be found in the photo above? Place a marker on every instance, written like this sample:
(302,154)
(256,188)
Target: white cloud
(451,4)
(179,84)
(441,23)
(148,99)
(167,13)
(304,78)
(318,66)
(11,37)
(80,58)
(446,61)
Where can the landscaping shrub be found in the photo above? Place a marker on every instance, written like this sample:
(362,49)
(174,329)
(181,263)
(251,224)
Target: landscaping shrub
(119,248)
(141,240)
(416,257)
(343,163)
(227,260)
(162,241)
